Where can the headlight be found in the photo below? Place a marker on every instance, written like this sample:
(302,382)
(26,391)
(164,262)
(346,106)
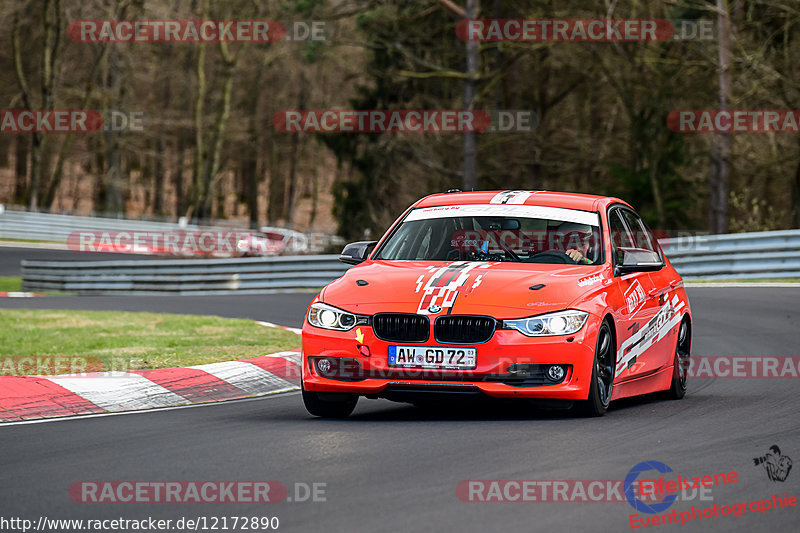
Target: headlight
(329,317)
(560,323)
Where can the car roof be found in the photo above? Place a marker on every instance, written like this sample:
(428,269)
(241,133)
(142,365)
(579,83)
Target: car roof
(568,200)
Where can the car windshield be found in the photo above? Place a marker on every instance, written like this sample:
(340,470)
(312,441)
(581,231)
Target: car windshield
(530,234)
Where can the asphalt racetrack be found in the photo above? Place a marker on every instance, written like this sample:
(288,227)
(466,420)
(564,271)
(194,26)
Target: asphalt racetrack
(392,467)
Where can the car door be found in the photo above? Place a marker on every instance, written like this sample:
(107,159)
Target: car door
(639,308)
(661,350)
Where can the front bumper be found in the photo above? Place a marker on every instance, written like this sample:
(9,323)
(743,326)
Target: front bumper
(372,376)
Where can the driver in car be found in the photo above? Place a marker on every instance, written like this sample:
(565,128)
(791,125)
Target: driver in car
(579,238)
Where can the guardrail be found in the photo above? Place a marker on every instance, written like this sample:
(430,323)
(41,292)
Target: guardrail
(56,228)
(761,255)
(183,276)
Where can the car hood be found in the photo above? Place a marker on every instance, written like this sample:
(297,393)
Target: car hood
(502,290)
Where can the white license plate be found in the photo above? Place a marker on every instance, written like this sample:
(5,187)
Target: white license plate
(432,357)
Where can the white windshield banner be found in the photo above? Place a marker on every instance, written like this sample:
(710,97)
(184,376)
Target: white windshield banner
(505,210)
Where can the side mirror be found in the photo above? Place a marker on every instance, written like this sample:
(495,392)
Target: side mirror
(357,252)
(637,260)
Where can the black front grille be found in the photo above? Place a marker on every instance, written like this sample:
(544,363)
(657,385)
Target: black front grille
(464,329)
(401,327)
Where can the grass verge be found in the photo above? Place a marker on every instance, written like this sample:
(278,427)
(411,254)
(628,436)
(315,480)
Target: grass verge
(10,283)
(104,340)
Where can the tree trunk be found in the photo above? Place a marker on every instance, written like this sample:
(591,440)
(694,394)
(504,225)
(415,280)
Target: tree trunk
(656,190)
(276,189)
(55,181)
(158,177)
(5,150)
(721,150)
(212,167)
(197,198)
(470,177)
(796,195)
(290,194)
(177,178)
(114,202)
(21,167)
(250,175)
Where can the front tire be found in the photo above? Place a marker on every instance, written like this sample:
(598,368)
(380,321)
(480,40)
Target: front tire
(329,404)
(602,384)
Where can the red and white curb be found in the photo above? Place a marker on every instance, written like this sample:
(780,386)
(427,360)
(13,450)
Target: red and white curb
(19,294)
(35,397)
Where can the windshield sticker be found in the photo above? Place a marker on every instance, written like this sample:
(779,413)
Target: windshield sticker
(505,210)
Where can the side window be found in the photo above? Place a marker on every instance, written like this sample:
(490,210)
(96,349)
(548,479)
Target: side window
(620,236)
(641,236)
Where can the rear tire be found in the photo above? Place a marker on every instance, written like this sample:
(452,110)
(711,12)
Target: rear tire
(602,385)
(680,364)
(329,404)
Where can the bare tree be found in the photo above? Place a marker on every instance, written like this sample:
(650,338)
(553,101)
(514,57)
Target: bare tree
(469,179)
(52,39)
(721,151)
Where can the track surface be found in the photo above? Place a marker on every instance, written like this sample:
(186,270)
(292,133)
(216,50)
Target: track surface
(393,467)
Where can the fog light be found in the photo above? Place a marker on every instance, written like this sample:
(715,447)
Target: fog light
(324,365)
(555,373)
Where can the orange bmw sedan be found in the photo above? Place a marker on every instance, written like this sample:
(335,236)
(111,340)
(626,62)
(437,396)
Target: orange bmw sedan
(561,299)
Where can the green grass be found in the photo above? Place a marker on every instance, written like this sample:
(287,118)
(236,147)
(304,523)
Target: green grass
(103,340)
(14,284)
(35,241)
(10,284)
